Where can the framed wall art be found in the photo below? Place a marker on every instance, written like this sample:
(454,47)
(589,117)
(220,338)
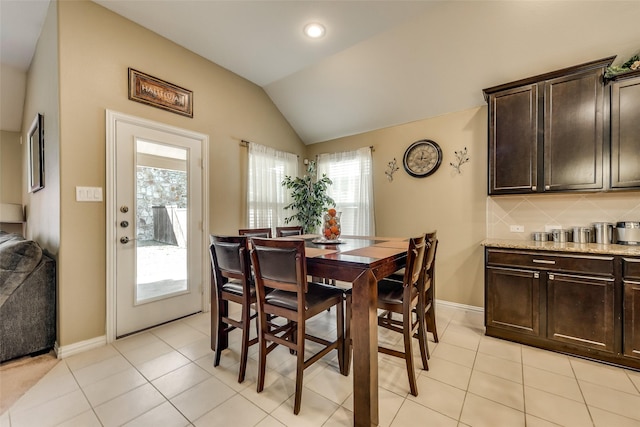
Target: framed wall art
(35,140)
(158,93)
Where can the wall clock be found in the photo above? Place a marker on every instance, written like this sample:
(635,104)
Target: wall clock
(422,158)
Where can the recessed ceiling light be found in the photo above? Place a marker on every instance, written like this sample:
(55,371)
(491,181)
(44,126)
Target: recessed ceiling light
(314,30)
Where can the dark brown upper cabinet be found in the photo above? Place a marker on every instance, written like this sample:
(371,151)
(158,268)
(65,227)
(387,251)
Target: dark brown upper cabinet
(625,130)
(546,133)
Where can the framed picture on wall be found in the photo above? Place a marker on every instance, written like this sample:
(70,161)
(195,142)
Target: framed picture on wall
(36,154)
(158,93)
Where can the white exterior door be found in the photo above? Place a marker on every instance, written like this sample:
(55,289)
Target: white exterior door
(156,224)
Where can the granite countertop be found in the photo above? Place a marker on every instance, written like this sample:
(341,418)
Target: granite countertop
(589,248)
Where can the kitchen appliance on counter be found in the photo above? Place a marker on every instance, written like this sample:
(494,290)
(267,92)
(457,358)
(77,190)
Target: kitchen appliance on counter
(603,232)
(541,236)
(561,235)
(628,232)
(582,234)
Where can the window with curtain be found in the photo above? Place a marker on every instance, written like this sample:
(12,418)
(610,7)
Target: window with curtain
(352,175)
(266,197)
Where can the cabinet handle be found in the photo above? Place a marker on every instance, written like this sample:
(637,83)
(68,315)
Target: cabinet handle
(536,275)
(547,187)
(543,261)
(533,188)
(552,276)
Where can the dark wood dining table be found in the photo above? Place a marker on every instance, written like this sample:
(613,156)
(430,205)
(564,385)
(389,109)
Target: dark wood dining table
(362,261)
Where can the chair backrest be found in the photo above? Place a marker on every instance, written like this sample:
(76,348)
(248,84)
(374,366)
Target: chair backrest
(279,264)
(255,232)
(426,281)
(229,259)
(413,271)
(294,230)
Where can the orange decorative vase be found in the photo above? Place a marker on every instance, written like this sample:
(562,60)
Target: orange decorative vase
(331,225)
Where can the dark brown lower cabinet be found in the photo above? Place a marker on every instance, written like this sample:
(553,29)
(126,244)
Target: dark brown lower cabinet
(515,300)
(576,303)
(580,311)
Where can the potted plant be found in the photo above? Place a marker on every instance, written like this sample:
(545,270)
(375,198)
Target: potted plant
(310,199)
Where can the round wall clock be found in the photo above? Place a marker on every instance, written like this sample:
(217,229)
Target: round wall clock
(422,158)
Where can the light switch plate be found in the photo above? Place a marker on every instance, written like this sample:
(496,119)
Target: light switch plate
(88,194)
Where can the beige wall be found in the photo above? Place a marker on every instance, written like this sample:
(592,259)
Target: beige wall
(43,207)
(10,167)
(10,174)
(96,47)
(451,203)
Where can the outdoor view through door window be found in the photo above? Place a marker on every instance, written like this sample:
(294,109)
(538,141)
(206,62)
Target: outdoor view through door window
(161,221)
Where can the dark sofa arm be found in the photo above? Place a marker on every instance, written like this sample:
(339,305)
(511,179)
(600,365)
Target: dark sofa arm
(28,316)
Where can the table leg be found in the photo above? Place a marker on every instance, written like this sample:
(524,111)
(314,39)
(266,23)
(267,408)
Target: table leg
(364,331)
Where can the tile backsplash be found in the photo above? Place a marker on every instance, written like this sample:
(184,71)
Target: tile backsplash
(535,212)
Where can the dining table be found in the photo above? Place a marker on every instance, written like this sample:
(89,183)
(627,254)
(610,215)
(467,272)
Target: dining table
(361,261)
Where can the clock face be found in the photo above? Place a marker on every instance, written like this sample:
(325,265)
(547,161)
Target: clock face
(422,158)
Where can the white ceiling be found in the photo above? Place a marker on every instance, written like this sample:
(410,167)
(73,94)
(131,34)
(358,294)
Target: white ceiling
(381,63)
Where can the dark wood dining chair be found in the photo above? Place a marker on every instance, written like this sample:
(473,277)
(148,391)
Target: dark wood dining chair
(400,298)
(283,290)
(232,280)
(294,230)
(428,286)
(255,232)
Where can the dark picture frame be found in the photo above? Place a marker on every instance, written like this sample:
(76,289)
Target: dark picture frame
(159,93)
(35,140)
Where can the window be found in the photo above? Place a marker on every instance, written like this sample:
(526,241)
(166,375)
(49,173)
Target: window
(266,197)
(352,189)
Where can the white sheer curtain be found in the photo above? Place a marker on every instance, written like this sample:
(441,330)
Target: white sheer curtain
(352,189)
(266,197)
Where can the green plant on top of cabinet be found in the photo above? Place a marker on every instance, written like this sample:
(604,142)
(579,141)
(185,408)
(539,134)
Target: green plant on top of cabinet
(546,132)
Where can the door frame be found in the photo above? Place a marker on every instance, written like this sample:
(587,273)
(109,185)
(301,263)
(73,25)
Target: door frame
(112,119)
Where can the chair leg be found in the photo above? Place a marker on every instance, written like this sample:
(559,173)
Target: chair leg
(422,338)
(408,354)
(299,367)
(246,328)
(431,322)
(221,330)
(262,351)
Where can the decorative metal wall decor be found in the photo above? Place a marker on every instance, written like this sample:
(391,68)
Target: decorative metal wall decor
(158,93)
(393,167)
(461,158)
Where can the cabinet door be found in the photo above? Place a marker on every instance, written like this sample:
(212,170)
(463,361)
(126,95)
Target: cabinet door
(512,300)
(631,326)
(625,133)
(581,311)
(573,133)
(513,136)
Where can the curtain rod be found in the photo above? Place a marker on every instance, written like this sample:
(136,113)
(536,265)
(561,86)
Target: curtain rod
(245,143)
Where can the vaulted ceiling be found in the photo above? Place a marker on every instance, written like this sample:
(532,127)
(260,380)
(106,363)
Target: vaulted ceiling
(381,63)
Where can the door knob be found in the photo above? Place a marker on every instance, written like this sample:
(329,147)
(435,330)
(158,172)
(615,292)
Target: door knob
(124,240)
(124,224)
(124,209)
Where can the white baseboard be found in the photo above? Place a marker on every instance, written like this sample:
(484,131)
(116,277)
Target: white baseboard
(79,347)
(460,306)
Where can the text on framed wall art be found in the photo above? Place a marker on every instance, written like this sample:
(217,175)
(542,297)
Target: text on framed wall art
(158,93)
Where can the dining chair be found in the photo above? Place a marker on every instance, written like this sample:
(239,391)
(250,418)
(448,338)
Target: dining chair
(427,283)
(294,230)
(255,232)
(401,298)
(283,290)
(232,280)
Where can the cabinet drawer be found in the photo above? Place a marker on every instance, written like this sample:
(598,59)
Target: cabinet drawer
(631,268)
(552,261)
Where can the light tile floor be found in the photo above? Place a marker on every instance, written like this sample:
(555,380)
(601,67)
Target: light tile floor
(165,377)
